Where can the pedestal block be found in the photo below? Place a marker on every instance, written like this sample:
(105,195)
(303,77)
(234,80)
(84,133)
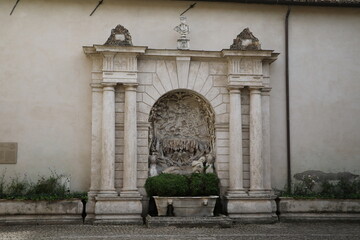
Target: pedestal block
(118,210)
(251,209)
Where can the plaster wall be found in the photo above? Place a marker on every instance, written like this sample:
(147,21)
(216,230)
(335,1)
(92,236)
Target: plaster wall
(324,73)
(45,98)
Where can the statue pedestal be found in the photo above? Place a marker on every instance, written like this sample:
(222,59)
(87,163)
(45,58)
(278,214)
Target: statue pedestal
(118,210)
(252,209)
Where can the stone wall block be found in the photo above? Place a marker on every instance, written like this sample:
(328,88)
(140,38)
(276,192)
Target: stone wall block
(221,109)
(207,86)
(152,92)
(194,69)
(146,66)
(158,86)
(217,100)
(218,68)
(222,150)
(163,75)
(148,100)
(143,158)
(145,78)
(119,107)
(222,158)
(222,135)
(220,81)
(202,76)
(144,108)
(172,71)
(119,117)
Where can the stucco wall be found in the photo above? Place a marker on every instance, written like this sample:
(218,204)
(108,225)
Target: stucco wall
(44,76)
(325,99)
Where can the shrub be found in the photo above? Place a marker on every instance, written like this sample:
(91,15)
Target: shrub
(204,184)
(167,184)
(197,184)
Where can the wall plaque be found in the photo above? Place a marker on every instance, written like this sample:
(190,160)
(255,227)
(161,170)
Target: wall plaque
(8,152)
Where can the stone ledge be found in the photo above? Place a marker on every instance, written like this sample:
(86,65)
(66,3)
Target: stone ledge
(40,219)
(221,221)
(316,217)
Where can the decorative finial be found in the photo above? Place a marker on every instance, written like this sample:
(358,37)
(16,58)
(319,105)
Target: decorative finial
(119,36)
(246,41)
(184,30)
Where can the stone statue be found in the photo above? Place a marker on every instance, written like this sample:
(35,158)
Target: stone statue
(184,30)
(181,134)
(152,159)
(198,165)
(209,165)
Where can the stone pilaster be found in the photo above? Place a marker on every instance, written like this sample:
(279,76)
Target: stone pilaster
(96,137)
(107,187)
(236,187)
(130,144)
(256,162)
(266,157)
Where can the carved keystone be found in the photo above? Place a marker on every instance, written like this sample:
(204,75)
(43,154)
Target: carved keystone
(246,41)
(119,36)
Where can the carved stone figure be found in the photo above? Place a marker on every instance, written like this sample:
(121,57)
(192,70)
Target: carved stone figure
(184,30)
(119,36)
(152,159)
(181,133)
(209,166)
(246,41)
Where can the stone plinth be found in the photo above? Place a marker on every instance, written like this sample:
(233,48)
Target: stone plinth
(118,210)
(252,209)
(40,212)
(221,221)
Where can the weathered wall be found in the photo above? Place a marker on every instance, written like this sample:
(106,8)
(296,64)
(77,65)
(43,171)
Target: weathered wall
(44,76)
(324,73)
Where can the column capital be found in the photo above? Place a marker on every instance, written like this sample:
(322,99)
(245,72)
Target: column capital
(266,91)
(130,86)
(235,89)
(96,87)
(108,85)
(255,90)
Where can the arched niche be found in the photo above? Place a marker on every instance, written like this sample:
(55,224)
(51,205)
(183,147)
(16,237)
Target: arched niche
(182,134)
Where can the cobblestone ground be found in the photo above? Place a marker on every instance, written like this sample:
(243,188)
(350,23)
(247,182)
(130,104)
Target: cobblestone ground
(249,232)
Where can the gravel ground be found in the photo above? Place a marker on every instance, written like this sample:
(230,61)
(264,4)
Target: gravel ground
(249,232)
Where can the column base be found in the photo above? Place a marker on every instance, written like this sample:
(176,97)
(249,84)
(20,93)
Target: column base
(118,210)
(130,194)
(237,193)
(259,193)
(90,206)
(252,209)
(107,193)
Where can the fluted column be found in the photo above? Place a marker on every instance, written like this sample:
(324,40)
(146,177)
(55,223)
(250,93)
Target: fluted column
(108,142)
(236,187)
(130,144)
(256,162)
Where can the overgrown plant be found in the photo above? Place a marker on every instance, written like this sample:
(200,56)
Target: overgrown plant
(342,189)
(46,188)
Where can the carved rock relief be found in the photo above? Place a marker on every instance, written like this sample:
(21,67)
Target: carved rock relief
(181,135)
